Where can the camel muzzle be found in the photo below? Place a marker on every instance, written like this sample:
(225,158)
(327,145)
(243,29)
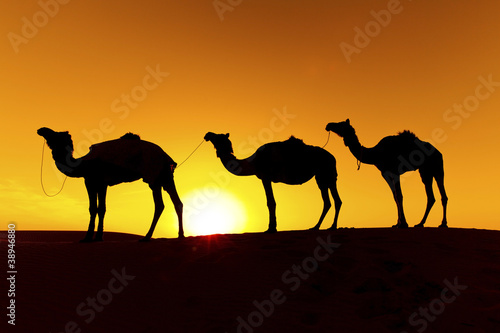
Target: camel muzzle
(44,131)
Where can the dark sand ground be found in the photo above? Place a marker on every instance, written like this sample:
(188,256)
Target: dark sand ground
(349,280)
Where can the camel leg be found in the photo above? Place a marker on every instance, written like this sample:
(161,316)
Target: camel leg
(92,193)
(444,199)
(159,206)
(172,191)
(398,195)
(326,206)
(430,198)
(271,204)
(101,211)
(395,185)
(338,204)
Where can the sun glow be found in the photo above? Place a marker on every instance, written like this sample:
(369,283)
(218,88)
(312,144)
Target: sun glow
(210,211)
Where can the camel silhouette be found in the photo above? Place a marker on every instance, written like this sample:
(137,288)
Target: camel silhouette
(113,162)
(395,155)
(291,162)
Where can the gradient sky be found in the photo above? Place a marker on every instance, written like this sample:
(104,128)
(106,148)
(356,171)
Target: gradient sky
(85,67)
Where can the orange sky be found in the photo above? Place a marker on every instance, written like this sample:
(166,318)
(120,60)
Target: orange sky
(85,67)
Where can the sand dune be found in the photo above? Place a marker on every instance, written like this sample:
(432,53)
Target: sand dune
(350,280)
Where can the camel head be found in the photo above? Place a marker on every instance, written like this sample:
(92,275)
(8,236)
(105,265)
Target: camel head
(221,143)
(342,128)
(56,140)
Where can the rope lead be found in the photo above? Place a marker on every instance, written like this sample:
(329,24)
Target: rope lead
(41,176)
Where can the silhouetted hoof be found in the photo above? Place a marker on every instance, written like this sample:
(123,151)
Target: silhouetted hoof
(420,225)
(332,228)
(86,240)
(443,226)
(401,226)
(145,239)
(181,236)
(270,231)
(314,228)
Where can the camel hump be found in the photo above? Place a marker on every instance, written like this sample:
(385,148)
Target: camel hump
(294,141)
(408,135)
(130,136)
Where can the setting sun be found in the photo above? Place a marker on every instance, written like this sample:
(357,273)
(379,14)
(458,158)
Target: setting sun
(211,211)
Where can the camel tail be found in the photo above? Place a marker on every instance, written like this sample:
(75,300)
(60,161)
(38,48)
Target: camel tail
(438,166)
(167,177)
(329,161)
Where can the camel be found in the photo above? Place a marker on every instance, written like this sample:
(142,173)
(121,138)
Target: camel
(395,155)
(113,162)
(291,162)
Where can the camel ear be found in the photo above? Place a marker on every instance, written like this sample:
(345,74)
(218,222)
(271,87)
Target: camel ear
(227,135)
(348,122)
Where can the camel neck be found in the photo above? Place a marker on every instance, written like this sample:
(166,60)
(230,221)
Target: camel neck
(237,167)
(66,163)
(362,153)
